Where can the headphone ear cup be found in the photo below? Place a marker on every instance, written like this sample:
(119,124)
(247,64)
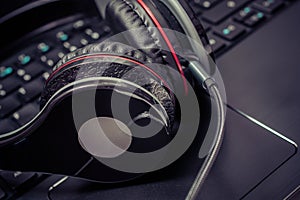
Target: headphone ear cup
(67,72)
(124,15)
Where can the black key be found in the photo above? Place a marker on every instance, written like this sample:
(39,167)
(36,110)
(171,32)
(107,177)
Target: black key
(80,24)
(97,32)
(24,59)
(223,10)
(197,9)
(255,19)
(26,113)
(216,43)
(229,30)
(5,71)
(92,34)
(51,58)
(243,14)
(101,28)
(78,41)
(17,179)
(62,36)
(22,74)
(8,105)
(7,125)
(206,4)
(268,6)
(34,69)
(9,85)
(31,90)
(43,47)
(206,26)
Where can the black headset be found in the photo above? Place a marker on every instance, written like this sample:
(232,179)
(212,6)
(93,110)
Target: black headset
(53,143)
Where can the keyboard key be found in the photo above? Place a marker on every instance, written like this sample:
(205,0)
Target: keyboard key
(7,125)
(229,31)
(34,69)
(268,6)
(8,105)
(79,25)
(62,36)
(216,43)
(27,77)
(9,85)
(79,41)
(206,26)
(51,58)
(255,19)
(206,4)
(5,71)
(24,59)
(243,14)
(17,179)
(31,90)
(221,11)
(3,93)
(43,47)
(99,31)
(197,9)
(84,42)
(26,113)
(46,75)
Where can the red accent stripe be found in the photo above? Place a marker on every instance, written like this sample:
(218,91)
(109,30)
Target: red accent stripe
(164,35)
(111,56)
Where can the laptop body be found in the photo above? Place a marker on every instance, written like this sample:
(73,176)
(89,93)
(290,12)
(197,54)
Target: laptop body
(258,159)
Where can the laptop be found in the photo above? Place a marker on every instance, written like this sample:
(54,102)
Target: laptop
(256,44)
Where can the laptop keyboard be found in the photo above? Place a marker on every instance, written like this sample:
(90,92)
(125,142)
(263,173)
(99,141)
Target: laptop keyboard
(229,21)
(23,75)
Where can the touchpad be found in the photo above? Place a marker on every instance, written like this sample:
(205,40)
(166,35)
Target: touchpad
(261,74)
(249,154)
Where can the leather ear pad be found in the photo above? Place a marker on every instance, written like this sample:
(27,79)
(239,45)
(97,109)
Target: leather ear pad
(126,15)
(106,47)
(94,68)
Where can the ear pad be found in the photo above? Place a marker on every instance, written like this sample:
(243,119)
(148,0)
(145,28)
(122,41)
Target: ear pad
(69,70)
(126,15)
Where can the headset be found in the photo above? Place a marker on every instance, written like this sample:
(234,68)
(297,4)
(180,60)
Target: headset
(76,102)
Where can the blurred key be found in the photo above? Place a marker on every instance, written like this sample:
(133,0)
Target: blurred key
(78,41)
(5,71)
(8,105)
(7,125)
(43,47)
(51,58)
(216,43)
(229,30)
(97,32)
(31,90)
(243,14)
(9,85)
(268,6)
(206,4)
(62,36)
(22,74)
(26,113)
(79,25)
(34,69)
(255,19)
(223,10)
(24,59)
(206,26)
